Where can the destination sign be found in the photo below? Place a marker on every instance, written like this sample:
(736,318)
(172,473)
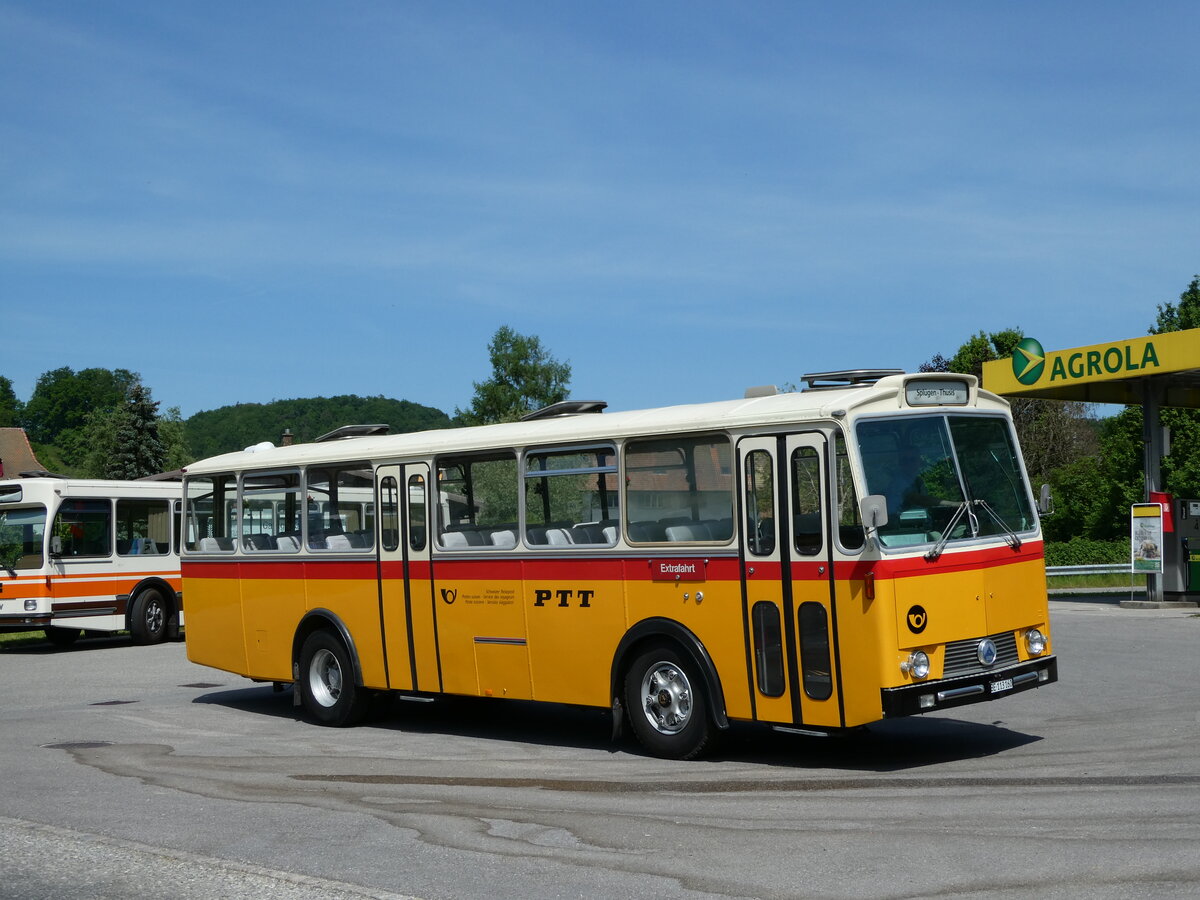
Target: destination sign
(930,392)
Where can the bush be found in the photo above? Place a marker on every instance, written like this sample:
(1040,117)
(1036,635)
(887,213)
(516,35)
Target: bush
(1080,551)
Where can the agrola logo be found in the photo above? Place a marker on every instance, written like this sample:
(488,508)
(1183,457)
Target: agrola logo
(1028,361)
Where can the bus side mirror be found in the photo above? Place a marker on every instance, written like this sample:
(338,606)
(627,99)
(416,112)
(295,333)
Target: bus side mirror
(1045,501)
(873,510)
(55,545)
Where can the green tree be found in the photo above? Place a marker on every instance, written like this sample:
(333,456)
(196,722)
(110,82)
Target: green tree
(63,398)
(138,449)
(10,406)
(172,433)
(1185,315)
(975,352)
(525,377)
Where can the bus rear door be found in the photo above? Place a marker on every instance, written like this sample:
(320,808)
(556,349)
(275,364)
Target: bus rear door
(405,586)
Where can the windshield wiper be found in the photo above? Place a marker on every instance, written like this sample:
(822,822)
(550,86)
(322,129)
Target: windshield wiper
(1009,535)
(936,550)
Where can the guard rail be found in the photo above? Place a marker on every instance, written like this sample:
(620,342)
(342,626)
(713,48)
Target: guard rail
(1103,569)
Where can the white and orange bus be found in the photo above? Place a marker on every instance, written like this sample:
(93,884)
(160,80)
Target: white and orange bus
(90,555)
(815,560)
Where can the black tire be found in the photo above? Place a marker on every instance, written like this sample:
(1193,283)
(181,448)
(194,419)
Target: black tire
(327,688)
(62,637)
(149,622)
(667,701)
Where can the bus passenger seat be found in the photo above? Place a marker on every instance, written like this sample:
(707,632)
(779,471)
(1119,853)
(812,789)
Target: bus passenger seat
(558,537)
(504,538)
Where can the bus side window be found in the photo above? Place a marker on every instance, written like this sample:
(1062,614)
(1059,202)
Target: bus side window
(389,514)
(341,508)
(806,500)
(760,503)
(571,497)
(679,489)
(84,527)
(478,502)
(850,530)
(211,524)
(417,528)
(143,526)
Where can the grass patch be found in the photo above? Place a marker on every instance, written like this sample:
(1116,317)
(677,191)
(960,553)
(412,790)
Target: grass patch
(9,639)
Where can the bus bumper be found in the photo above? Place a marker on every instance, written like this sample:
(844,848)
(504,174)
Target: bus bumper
(950,692)
(22,621)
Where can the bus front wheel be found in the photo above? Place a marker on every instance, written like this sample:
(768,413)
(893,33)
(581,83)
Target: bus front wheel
(150,617)
(667,704)
(327,687)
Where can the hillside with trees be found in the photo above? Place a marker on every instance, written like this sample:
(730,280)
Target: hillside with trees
(104,423)
(244,424)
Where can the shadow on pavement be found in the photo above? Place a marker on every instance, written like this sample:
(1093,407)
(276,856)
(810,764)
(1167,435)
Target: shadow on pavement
(887,746)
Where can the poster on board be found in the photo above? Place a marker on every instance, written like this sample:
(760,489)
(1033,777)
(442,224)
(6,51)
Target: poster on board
(1146,537)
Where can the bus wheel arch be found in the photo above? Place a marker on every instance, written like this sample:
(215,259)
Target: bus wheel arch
(152,615)
(662,657)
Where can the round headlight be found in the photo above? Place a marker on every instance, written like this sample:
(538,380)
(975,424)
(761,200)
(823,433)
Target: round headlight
(1035,642)
(917,664)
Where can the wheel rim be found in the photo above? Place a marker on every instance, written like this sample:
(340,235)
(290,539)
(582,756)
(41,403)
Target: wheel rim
(325,678)
(666,698)
(155,616)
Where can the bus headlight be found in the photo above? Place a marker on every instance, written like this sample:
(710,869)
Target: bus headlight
(917,665)
(30,605)
(1035,642)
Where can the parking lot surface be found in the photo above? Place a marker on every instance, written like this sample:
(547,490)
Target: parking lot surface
(130,772)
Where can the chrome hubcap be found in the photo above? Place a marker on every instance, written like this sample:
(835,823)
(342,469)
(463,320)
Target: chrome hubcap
(667,698)
(154,617)
(325,678)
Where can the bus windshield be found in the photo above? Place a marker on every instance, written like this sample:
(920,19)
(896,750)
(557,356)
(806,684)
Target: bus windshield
(945,477)
(21,533)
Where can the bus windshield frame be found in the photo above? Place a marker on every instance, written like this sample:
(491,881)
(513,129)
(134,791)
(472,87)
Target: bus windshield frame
(946,477)
(22,537)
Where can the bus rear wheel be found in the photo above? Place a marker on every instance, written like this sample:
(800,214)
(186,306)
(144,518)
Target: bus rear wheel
(150,617)
(327,688)
(667,703)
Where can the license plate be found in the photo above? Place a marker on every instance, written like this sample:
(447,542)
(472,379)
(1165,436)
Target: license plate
(1004,684)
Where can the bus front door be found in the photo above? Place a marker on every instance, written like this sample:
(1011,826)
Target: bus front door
(787,573)
(405,585)
(809,548)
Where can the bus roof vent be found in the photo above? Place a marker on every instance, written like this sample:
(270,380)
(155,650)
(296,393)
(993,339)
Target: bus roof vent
(765,390)
(349,431)
(565,408)
(823,381)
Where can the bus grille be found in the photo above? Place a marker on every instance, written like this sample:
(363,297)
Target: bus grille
(962,658)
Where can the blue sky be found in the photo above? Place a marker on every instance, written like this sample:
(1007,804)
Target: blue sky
(255,201)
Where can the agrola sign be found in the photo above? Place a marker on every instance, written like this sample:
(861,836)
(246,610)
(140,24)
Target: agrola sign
(1102,373)
(1029,361)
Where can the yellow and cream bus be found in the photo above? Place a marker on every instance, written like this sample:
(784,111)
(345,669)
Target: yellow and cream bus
(817,560)
(89,555)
